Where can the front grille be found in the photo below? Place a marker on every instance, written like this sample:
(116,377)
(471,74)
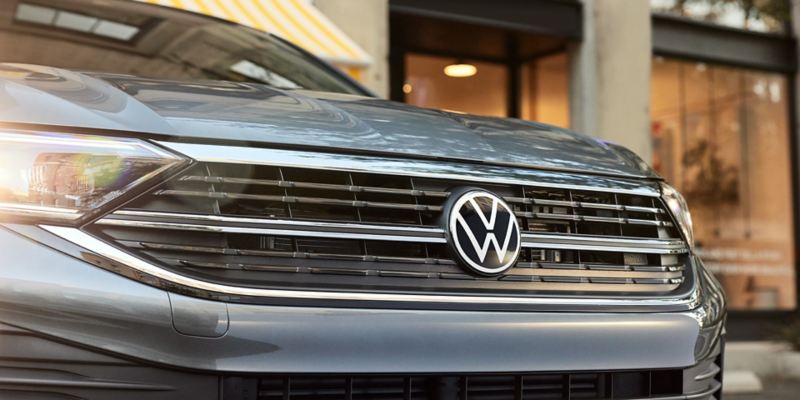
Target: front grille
(301,228)
(646,384)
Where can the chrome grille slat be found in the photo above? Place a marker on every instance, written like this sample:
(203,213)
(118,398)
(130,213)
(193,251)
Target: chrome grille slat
(543,282)
(299,255)
(286,228)
(299,199)
(319,186)
(583,218)
(578,204)
(401,237)
(517,271)
(564,242)
(364,232)
(595,273)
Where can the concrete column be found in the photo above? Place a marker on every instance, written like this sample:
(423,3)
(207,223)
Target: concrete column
(610,67)
(367,23)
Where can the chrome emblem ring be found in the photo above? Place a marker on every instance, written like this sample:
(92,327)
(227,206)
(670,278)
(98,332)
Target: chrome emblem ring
(484,232)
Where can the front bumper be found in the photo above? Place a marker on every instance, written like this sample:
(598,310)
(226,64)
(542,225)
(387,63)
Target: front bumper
(72,316)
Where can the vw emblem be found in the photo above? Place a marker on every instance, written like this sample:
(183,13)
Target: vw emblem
(484,232)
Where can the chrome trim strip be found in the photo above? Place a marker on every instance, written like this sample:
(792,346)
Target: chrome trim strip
(268,231)
(716,386)
(97,246)
(581,204)
(710,373)
(298,200)
(260,226)
(416,168)
(651,246)
(314,185)
(593,273)
(283,222)
(590,218)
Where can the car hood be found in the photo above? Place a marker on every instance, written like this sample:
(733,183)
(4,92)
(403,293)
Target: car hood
(262,115)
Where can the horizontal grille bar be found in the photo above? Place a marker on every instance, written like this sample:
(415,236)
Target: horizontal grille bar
(564,242)
(377,232)
(540,271)
(543,282)
(585,218)
(578,204)
(299,255)
(323,186)
(300,200)
(266,230)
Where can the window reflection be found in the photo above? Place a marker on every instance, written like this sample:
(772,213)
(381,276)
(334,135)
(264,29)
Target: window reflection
(484,93)
(545,90)
(543,87)
(721,136)
(157,42)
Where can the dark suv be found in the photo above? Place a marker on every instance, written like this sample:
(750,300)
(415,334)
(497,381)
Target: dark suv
(212,213)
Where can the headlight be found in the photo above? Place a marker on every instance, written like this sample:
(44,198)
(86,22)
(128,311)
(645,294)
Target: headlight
(63,177)
(680,210)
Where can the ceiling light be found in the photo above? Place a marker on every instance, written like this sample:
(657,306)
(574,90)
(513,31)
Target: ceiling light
(460,70)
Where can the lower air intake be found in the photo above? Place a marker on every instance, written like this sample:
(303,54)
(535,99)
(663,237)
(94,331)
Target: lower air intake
(640,385)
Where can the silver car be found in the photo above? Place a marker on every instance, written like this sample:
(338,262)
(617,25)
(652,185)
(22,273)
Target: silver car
(198,210)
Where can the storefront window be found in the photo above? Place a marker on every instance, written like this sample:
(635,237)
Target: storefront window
(482,93)
(543,94)
(545,90)
(721,136)
(760,16)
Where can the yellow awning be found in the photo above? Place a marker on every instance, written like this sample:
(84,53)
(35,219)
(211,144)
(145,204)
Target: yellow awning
(294,20)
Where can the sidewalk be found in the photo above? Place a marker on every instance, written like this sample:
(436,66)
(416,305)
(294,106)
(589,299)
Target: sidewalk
(773,390)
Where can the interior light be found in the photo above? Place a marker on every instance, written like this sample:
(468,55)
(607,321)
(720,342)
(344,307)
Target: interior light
(460,70)
(407,88)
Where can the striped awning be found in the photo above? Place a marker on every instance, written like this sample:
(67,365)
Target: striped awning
(294,20)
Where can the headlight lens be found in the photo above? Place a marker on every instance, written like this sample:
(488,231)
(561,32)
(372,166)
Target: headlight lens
(680,210)
(64,177)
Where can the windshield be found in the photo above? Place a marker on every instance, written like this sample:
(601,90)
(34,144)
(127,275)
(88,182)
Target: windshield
(128,37)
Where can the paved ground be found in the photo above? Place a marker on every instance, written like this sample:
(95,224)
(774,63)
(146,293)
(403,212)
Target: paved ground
(773,390)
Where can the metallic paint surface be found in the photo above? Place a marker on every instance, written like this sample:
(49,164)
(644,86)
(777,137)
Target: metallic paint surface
(260,115)
(49,292)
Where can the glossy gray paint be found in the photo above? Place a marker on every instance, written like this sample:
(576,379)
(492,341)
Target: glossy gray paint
(258,114)
(48,292)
